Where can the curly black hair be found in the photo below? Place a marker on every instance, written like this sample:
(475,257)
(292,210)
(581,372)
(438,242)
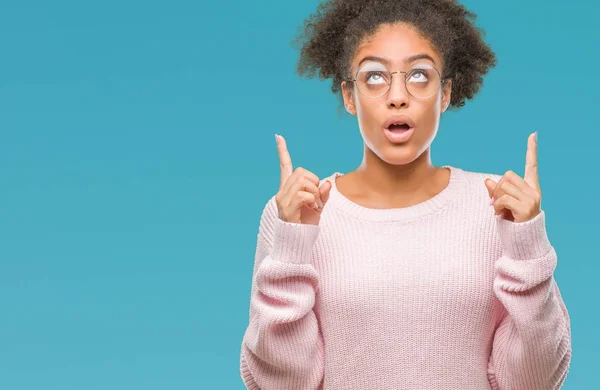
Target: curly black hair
(329,38)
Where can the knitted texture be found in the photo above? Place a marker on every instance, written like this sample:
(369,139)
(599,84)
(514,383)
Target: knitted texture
(439,295)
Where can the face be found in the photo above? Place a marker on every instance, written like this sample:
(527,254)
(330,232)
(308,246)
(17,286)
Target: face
(395,43)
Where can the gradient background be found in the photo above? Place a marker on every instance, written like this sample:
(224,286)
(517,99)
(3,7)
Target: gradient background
(137,153)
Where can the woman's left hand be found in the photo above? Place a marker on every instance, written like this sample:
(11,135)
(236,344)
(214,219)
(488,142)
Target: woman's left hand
(515,198)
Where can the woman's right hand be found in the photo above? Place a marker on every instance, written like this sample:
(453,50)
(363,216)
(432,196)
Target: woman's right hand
(299,199)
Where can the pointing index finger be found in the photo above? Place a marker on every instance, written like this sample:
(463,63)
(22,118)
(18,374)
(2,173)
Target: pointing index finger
(285,161)
(531,162)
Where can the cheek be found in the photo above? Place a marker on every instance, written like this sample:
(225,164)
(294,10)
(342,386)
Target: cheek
(430,118)
(367,115)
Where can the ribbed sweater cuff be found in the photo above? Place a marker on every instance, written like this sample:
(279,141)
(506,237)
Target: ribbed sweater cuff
(293,242)
(524,240)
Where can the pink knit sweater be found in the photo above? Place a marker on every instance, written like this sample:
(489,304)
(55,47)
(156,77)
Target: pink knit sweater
(439,295)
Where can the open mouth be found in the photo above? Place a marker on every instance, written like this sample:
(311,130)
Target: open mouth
(398,127)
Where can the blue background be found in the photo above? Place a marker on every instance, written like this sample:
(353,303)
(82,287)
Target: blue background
(137,152)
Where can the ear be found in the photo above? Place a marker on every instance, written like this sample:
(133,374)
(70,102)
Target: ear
(446,94)
(348,98)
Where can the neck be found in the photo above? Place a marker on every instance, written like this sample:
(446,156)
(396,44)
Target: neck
(400,185)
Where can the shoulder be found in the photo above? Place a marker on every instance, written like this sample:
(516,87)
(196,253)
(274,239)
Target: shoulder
(475,186)
(331,177)
(477,178)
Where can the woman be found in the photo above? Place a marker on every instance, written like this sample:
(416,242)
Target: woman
(401,274)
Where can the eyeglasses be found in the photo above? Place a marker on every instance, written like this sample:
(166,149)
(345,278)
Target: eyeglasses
(373,80)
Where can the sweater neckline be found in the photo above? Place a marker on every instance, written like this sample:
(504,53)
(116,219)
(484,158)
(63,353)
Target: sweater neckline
(440,200)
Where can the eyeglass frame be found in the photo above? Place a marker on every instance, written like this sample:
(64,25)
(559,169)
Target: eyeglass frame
(442,81)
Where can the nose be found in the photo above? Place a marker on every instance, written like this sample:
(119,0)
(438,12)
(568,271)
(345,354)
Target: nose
(398,96)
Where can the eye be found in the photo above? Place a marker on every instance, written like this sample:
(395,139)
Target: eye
(419,75)
(378,75)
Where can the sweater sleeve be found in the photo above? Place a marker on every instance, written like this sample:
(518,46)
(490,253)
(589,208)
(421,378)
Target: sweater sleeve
(282,347)
(532,343)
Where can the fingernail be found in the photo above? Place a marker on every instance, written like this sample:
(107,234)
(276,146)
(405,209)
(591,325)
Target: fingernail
(492,201)
(536,136)
(276,138)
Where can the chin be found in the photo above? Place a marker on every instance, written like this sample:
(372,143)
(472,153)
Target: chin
(397,154)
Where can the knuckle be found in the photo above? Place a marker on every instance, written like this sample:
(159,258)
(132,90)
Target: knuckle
(308,184)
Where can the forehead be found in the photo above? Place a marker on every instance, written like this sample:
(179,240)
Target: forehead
(396,43)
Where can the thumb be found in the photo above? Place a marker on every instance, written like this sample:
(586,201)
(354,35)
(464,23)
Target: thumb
(490,185)
(324,191)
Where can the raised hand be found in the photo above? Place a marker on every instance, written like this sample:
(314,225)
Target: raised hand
(299,199)
(515,198)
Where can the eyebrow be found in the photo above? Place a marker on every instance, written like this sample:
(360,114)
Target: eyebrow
(407,60)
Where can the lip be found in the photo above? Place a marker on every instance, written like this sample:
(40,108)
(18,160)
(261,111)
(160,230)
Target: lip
(399,137)
(398,118)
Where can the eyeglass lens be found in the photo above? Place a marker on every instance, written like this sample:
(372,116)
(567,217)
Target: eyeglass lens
(422,81)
